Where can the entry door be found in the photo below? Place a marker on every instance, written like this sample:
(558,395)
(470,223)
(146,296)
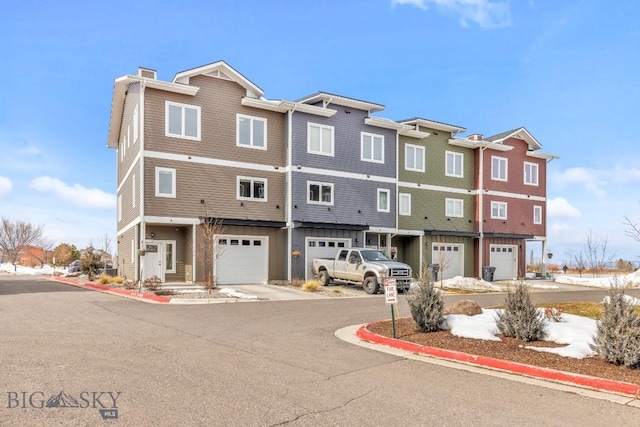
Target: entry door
(152,261)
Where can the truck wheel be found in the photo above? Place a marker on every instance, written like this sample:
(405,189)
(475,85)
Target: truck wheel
(324,278)
(370,285)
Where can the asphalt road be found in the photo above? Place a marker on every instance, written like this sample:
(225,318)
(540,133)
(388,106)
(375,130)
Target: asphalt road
(247,364)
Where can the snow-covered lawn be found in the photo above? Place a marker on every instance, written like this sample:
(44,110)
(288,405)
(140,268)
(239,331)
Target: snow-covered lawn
(631,280)
(46,269)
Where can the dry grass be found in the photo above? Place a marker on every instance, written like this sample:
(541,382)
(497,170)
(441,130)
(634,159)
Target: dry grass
(592,310)
(109,280)
(311,286)
(337,292)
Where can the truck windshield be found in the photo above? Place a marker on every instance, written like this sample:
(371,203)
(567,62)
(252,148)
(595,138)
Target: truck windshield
(374,256)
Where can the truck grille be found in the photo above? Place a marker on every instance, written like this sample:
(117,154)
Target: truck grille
(399,272)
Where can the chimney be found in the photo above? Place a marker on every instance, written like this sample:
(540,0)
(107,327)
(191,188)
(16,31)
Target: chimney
(475,137)
(147,73)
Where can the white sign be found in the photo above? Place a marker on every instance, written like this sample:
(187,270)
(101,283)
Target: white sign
(390,291)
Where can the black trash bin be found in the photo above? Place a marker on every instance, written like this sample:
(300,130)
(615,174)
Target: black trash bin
(434,269)
(487,273)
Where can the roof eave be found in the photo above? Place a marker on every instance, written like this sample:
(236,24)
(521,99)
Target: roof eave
(285,106)
(435,125)
(253,90)
(467,143)
(343,101)
(544,156)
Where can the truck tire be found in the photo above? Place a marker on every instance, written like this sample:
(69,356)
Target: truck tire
(370,285)
(324,278)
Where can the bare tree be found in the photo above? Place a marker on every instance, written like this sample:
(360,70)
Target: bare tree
(597,253)
(16,236)
(105,246)
(580,261)
(212,249)
(633,229)
(47,247)
(442,260)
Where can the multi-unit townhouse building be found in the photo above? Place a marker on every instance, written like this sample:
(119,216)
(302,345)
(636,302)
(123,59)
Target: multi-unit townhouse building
(294,180)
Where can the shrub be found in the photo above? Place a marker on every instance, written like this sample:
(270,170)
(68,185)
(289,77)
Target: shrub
(520,318)
(617,338)
(152,283)
(311,286)
(426,306)
(117,279)
(104,279)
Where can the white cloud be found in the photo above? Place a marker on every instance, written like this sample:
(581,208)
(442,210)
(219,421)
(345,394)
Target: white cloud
(623,174)
(485,13)
(5,186)
(590,178)
(76,194)
(559,207)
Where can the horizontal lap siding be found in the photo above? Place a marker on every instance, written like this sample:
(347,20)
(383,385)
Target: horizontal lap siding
(132,100)
(350,195)
(519,216)
(130,212)
(126,265)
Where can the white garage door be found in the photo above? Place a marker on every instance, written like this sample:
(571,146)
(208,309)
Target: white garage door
(451,259)
(504,258)
(321,247)
(242,260)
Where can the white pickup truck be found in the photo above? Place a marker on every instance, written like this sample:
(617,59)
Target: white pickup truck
(361,266)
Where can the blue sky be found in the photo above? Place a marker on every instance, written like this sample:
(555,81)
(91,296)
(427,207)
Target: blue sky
(566,70)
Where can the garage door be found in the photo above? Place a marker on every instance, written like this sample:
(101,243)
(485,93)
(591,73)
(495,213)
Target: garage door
(320,247)
(504,259)
(451,259)
(242,260)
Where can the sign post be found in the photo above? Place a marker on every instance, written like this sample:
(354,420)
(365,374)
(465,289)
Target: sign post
(391,298)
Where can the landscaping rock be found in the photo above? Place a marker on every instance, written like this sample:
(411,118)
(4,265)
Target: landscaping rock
(468,307)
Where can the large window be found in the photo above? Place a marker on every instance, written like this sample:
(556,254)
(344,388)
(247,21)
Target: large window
(453,207)
(182,120)
(320,139)
(414,158)
(320,193)
(498,168)
(383,200)
(498,210)
(530,173)
(252,189)
(165,182)
(454,164)
(372,147)
(537,214)
(404,204)
(251,132)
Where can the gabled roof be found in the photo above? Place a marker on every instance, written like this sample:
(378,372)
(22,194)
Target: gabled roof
(329,98)
(223,70)
(519,133)
(445,127)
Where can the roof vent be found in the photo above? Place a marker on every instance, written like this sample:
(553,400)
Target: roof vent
(147,73)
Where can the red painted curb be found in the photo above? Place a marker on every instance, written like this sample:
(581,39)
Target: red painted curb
(116,291)
(628,389)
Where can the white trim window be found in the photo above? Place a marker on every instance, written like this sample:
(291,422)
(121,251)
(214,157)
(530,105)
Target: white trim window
(537,214)
(119,207)
(251,132)
(498,168)
(530,173)
(320,139)
(454,162)
(454,208)
(404,204)
(253,189)
(414,158)
(371,147)
(165,182)
(498,210)
(136,125)
(170,256)
(319,193)
(384,200)
(133,191)
(182,121)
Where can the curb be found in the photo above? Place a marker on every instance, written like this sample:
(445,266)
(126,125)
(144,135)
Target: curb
(114,291)
(627,389)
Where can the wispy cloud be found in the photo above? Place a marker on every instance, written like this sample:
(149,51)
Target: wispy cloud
(485,13)
(29,150)
(76,194)
(5,186)
(559,207)
(591,179)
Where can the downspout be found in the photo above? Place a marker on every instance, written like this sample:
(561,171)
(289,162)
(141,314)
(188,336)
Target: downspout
(544,242)
(141,125)
(289,204)
(481,211)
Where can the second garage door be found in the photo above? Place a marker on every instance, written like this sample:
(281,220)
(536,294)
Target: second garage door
(451,258)
(504,258)
(242,260)
(320,247)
